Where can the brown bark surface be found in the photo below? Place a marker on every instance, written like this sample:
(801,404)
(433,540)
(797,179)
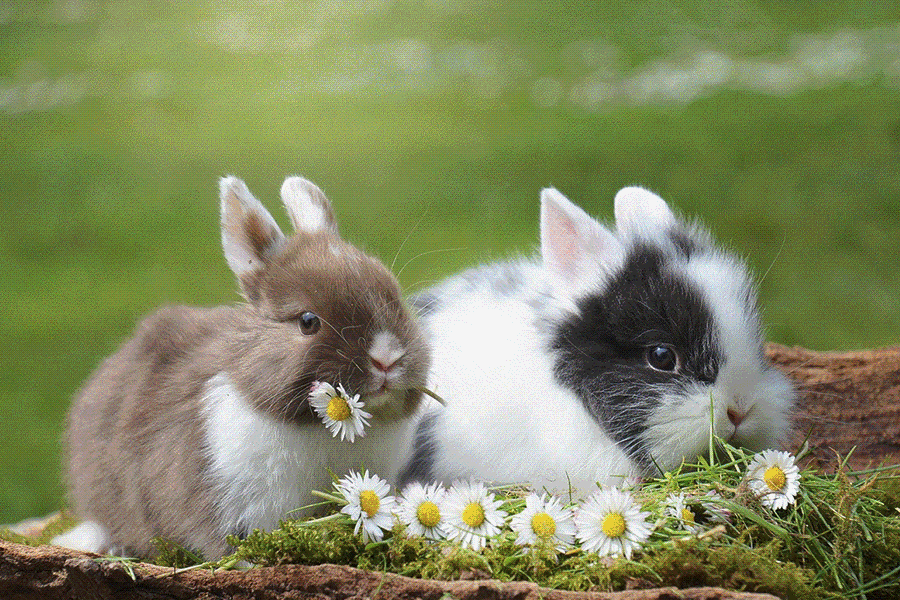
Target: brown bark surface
(848,400)
(51,573)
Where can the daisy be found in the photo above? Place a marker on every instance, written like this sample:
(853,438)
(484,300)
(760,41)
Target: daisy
(774,477)
(473,515)
(544,520)
(339,412)
(611,522)
(420,510)
(711,511)
(685,512)
(368,503)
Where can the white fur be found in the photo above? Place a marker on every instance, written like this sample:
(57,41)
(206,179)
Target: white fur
(642,214)
(87,536)
(306,205)
(263,468)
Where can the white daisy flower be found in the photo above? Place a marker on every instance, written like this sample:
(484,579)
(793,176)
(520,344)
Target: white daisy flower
(339,412)
(688,514)
(711,510)
(473,515)
(611,523)
(544,519)
(368,503)
(774,477)
(421,511)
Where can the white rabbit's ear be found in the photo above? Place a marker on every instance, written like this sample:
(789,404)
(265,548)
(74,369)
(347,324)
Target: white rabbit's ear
(574,244)
(307,206)
(249,233)
(642,213)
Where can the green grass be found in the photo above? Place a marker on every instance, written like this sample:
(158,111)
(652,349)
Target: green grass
(432,129)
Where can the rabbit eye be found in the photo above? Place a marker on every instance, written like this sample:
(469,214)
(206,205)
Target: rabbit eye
(663,358)
(309,323)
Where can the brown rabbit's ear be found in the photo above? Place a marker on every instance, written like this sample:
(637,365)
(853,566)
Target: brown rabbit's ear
(249,233)
(307,206)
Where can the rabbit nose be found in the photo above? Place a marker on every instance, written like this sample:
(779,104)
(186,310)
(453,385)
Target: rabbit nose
(736,416)
(385,352)
(383,366)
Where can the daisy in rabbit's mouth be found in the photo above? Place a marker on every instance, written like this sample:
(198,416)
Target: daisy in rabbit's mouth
(341,413)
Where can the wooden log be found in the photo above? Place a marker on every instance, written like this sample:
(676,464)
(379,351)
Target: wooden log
(51,573)
(849,402)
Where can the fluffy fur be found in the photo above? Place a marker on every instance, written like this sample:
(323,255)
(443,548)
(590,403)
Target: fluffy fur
(545,363)
(200,426)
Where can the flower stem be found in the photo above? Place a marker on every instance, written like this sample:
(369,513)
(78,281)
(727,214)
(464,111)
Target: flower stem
(330,497)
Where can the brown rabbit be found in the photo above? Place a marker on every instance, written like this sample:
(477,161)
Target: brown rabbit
(200,425)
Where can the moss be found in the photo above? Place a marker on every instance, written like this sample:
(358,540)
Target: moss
(167,553)
(296,542)
(886,490)
(694,562)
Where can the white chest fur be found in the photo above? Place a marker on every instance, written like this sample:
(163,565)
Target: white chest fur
(262,468)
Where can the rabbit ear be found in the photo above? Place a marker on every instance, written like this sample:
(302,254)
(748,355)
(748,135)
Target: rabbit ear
(642,213)
(307,206)
(573,244)
(249,233)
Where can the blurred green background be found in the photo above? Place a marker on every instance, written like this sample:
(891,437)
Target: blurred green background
(432,126)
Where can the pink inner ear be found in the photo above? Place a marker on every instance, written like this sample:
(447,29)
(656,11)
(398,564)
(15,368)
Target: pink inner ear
(573,243)
(561,249)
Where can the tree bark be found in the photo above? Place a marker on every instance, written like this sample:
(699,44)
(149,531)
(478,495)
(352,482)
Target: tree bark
(846,400)
(51,573)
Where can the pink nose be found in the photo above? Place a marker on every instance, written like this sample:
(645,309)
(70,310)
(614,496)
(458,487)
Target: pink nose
(736,417)
(382,366)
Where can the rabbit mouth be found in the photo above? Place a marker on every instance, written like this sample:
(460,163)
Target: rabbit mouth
(393,401)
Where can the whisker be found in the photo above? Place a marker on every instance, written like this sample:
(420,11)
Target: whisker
(406,239)
(774,260)
(427,252)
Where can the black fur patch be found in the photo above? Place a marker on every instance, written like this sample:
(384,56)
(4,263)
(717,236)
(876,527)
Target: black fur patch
(683,242)
(420,466)
(601,353)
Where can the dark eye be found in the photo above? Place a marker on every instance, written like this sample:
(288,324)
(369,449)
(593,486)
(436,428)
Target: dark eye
(309,323)
(662,358)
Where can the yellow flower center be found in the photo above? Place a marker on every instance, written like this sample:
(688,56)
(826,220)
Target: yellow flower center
(338,409)
(473,515)
(543,525)
(687,516)
(369,502)
(613,525)
(428,514)
(775,478)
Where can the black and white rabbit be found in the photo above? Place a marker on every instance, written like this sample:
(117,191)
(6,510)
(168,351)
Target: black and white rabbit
(603,359)
(200,425)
